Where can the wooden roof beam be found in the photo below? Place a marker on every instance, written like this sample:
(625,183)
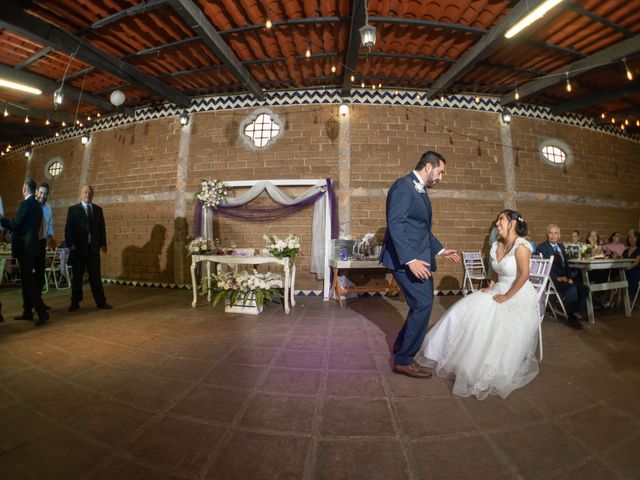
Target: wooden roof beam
(14,19)
(483,48)
(596,99)
(199,23)
(358,18)
(612,54)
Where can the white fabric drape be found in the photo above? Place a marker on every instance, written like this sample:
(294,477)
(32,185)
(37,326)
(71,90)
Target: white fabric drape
(278,196)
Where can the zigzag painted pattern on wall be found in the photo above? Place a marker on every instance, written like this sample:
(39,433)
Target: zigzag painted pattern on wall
(331,97)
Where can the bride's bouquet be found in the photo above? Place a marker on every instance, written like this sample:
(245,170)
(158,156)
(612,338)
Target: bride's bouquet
(283,247)
(212,193)
(199,245)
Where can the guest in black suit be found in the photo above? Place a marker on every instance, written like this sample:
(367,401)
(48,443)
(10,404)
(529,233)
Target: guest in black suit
(85,236)
(24,247)
(561,275)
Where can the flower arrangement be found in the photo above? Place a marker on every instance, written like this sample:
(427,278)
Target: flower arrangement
(199,245)
(283,247)
(212,193)
(586,250)
(245,287)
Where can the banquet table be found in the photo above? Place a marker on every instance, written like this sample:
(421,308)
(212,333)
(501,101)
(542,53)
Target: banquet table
(233,260)
(345,266)
(588,265)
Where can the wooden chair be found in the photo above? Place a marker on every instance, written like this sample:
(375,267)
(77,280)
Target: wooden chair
(473,271)
(539,270)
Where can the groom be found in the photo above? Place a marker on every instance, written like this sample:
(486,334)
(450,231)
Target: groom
(409,250)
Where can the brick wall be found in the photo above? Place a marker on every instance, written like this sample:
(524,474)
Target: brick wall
(135,168)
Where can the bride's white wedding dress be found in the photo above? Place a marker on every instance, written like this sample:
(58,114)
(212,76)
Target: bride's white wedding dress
(488,347)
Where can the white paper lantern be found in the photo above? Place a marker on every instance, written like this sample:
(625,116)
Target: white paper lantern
(117,98)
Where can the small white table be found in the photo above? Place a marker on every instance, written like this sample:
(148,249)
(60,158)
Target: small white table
(289,273)
(585,266)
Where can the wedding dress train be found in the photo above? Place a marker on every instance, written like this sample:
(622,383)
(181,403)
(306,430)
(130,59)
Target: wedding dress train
(488,347)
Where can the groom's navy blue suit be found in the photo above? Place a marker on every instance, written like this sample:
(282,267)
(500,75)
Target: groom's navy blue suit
(409,237)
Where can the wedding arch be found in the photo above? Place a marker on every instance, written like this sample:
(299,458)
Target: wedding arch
(320,194)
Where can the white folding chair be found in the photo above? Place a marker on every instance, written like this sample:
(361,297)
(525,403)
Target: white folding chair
(58,270)
(539,270)
(635,297)
(559,309)
(473,271)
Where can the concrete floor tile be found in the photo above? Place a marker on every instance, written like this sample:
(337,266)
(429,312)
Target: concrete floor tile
(624,458)
(104,379)
(187,369)
(456,458)
(19,424)
(418,417)
(315,343)
(352,361)
(354,384)
(539,450)
(280,413)
(300,359)
(237,376)
(151,393)
(251,356)
(210,403)
(360,459)
(250,455)
(356,417)
(29,383)
(177,444)
(592,470)
(120,468)
(496,413)
(284,380)
(557,398)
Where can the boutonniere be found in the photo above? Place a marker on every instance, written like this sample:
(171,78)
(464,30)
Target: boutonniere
(418,186)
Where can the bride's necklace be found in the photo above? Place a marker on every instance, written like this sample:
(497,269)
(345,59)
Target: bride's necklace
(508,247)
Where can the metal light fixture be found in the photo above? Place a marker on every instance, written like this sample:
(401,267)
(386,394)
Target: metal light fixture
(333,69)
(27,153)
(184,119)
(367,32)
(505,117)
(268,24)
(629,73)
(47,122)
(58,97)
(19,86)
(536,14)
(344,110)
(6,112)
(85,138)
(26,118)
(568,87)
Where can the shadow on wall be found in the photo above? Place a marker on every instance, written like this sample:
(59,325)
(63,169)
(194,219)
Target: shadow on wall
(178,262)
(449,283)
(143,263)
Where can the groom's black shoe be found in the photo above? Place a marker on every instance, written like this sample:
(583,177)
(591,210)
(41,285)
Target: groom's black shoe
(414,370)
(573,322)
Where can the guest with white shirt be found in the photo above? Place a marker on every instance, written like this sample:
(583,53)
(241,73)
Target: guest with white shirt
(45,235)
(562,277)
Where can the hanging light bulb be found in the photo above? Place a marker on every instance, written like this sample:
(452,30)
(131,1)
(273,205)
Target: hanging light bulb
(637,123)
(362,84)
(353,78)
(477,99)
(622,126)
(417,95)
(333,69)
(307,53)
(629,73)
(568,86)
(603,115)
(57,134)
(26,118)
(380,85)
(613,119)
(47,122)
(516,94)
(442,98)
(64,124)
(77,122)
(88,118)
(98,114)
(396,92)
(81,125)
(32,143)
(373,86)
(6,112)
(626,121)
(268,24)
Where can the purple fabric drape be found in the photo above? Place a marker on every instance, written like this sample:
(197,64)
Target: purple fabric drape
(266,213)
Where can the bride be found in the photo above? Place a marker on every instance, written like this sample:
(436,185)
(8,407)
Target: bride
(487,340)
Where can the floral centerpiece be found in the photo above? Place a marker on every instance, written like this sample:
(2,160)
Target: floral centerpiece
(199,245)
(245,288)
(586,250)
(212,193)
(283,247)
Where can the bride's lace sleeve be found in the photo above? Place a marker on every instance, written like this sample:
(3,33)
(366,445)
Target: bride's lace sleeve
(523,241)
(494,249)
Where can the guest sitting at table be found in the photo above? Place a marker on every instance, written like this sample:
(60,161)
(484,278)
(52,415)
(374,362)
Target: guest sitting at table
(575,236)
(615,247)
(593,239)
(633,251)
(569,288)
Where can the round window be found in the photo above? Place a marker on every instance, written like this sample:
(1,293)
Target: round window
(54,168)
(556,152)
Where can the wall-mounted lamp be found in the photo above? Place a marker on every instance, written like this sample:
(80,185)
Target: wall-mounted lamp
(27,153)
(85,138)
(184,119)
(505,117)
(344,110)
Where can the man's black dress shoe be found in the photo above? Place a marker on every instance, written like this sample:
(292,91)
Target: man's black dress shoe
(47,307)
(24,316)
(573,322)
(104,306)
(42,319)
(74,306)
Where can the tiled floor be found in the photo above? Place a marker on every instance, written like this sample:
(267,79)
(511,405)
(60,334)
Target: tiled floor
(157,390)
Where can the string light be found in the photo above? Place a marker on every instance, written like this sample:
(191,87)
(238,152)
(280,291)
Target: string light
(47,122)
(6,112)
(477,99)
(622,126)
(353,78)
(333,69)
(64,124)
(568,86)
(629,74)
(442,98)
(268,24)
(613,119)
(637,123)
(26,118)
(362,84)
(516,94)
(98,114)
(33,143)
(88,118)
(603,115)
(626,121)
(307,53)
(57,134)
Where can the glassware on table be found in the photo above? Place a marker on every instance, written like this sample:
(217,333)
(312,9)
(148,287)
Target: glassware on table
(233,244)
(216,245)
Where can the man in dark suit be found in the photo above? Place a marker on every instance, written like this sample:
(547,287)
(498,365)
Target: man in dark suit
(409,250)
(85,236)
(562,276)
(24,247)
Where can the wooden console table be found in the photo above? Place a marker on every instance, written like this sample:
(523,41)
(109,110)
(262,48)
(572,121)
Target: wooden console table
(289,273)
(337,290)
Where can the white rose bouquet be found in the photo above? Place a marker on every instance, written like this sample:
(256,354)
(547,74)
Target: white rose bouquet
(199,245)
(283,247)
(212,193)
(245,286)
